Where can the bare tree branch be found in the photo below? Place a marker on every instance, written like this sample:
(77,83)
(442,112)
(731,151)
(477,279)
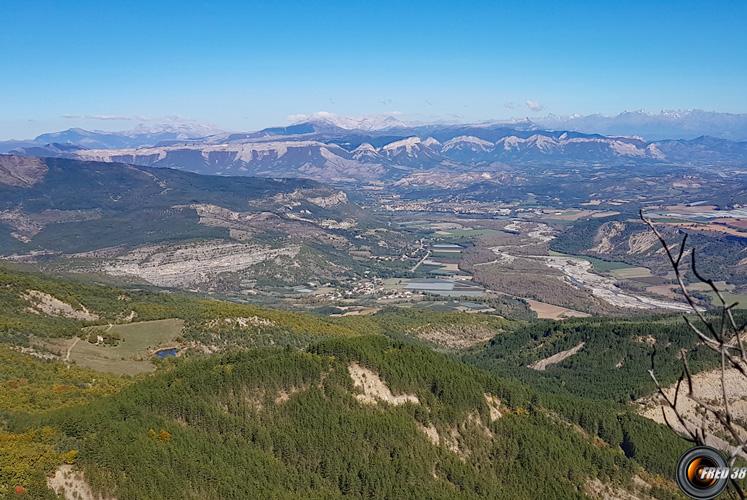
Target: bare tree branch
(721,336)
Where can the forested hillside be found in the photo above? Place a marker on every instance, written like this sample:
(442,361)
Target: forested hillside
(612,360)
(287,404)
(281,422)
(29,312)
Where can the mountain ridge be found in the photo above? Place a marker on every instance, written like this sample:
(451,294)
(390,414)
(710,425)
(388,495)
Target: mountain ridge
(667,124)
(331,154)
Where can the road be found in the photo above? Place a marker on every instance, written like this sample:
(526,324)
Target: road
(416,266)
(69,349)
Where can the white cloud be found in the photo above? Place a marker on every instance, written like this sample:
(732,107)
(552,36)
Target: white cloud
(118,118)
(534,105)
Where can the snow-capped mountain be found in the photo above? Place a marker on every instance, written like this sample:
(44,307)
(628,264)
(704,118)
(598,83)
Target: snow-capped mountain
(468,148)
(412,148)
(468,142)
(367,123)
(366,153)
(330,153)
(282,158)
(687,124)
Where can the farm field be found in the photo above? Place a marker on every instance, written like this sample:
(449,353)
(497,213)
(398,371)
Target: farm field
(468,233)
(631,272)
(730,297)
(574,215)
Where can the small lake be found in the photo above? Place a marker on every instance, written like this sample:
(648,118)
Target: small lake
(166,353)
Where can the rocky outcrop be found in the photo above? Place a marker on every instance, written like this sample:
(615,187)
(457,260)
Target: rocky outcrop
(374,389)
(605,235)
(194,264)
(43,303)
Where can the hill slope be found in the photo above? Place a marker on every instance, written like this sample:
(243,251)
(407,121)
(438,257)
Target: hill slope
(334,412)
(177,229)
(354,418)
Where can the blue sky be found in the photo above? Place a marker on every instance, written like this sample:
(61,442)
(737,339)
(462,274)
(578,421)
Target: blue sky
(245,65)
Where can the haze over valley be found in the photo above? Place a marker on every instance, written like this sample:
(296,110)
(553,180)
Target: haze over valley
(367,227)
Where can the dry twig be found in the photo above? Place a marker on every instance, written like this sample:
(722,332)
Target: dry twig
(723,337)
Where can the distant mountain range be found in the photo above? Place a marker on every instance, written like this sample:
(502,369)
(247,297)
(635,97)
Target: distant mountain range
(141,136)
(687,124)
(333,149)
(329,153)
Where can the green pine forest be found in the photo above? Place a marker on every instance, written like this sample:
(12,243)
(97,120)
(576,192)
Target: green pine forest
(272,411)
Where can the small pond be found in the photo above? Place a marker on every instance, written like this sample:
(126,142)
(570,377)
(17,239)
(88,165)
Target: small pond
(166,353)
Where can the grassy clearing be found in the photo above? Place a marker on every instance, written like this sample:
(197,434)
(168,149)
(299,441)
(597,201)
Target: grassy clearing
(131,355)
(549,311)
(600,265)
(139,337)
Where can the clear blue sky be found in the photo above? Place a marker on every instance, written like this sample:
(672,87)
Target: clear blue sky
(245,65)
